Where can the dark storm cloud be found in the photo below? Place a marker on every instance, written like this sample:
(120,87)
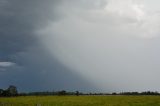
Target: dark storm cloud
(58,44)
(18,19)
(34,68)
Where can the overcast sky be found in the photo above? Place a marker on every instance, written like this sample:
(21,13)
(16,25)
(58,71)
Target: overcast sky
(85,45)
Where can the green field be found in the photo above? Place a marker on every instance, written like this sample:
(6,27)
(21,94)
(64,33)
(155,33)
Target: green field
(81,101)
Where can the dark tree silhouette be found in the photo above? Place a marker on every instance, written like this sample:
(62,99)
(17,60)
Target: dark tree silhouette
(77,93)
(12,90)
(1,92)
(63,92)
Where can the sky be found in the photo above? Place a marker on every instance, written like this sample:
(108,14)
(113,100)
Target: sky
(85,45)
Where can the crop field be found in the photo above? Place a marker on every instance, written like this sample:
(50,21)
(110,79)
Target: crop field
(81,101)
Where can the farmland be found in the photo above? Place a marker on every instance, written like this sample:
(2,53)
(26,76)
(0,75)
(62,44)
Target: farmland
(80,101)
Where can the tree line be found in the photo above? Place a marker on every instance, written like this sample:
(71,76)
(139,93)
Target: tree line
(12,91)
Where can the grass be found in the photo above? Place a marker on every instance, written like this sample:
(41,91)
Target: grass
(81,101)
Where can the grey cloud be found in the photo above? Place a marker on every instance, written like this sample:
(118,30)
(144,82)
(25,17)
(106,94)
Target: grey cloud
(79,44)
(35,68)
(19,21)
(110,46)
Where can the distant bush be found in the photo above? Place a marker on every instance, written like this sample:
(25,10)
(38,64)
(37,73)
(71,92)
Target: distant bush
(63,92)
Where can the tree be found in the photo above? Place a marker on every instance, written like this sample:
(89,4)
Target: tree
(12,91)
(1,92)
(77,93)
(63,92)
